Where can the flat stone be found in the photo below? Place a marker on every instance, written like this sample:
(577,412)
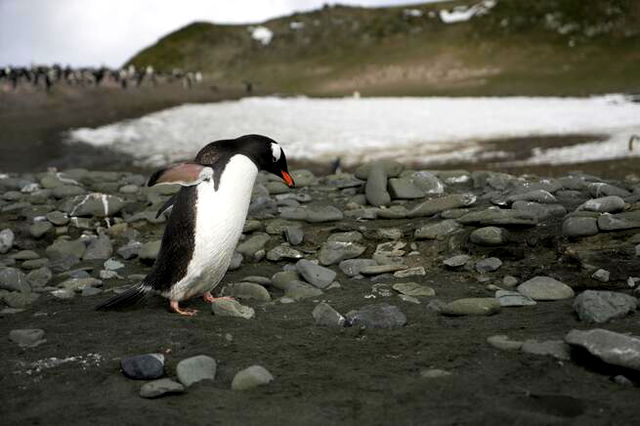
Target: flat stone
(65,191)
(27,337)
(537,195)
(503,217)
(20,300)
(601,189)
(619,221)
(437,231)
(513,298)
(389,233)
(601,275)
(283,252)
(489,236)
(352,267)
(95,204)
(323,214)
(381,269)
(417,271)
(413,289)
(13,279)
(393,212)
(545,288)
(555,348)
(333,252)
(157,388)
(434,373)
(6,240)
(376,186)
(252,244)
(471,306)
(580,226)
(298,290)
(602,306)
(99,248)
(490,264)
(427,182)
(315,274)
(78,284)
(610,204)
(251,377)
(404,188)
(294,235)
(248,291)
(391,167)
(35,263)
(25,255)
(457,261)
(377,316)
(63,294)
(195,369)
(437,205)
(62,247)
(38,229)
(129,250)
(325,315)
(143,367)
(503,342)
(282,279)
(613,348)
(346,237)
(231,308)
(39,278)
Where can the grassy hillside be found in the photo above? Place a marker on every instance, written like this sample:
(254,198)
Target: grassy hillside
(513,47)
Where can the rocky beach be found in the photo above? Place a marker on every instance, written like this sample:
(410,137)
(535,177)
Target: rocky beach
(383,296)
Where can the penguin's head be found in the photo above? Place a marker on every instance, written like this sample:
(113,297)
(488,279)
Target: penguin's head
(266,153)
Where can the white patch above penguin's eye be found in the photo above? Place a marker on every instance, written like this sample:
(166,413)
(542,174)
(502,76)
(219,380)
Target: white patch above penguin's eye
(276,152)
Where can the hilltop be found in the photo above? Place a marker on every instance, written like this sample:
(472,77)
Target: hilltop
(503,47)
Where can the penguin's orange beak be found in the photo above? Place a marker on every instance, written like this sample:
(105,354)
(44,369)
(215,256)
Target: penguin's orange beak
(287,179)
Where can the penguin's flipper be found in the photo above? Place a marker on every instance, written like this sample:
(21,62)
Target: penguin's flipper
(167,205)
(129,297)
(185,174)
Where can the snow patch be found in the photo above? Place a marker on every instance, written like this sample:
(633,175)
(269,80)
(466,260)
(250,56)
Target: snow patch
(296,25)
(465,13)
(261,34)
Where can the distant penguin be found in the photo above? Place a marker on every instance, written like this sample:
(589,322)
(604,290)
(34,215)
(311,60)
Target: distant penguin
(207,219)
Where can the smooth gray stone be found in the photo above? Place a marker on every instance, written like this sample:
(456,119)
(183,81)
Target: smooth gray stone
(245,290)
(489,264)
(6,240)
(251,377)
(537,195)
(555,348)
(277,187)
(499,217)
(333,252)
(298,290)
(95,204)
(251,245)
(389,233)
(325,315)
(294,235)
(323,214)
(232,308)
(346,237)
(437,231)
(393,212)
(542,211)
(315,274)
(414,289)
(471,306)
(513,298)
(304,177)
(377,316)
(78,284)
(196,369)
(160,387)
(282,279)
(129,250)
(613,348)
(405,189)
(503,342)
(610,204)
(39,278)
(427,182)
(437,205)
(602,306)
(457,261)
(619,221)
(601,275)
(38,229)
(17,299)
(62,248)
(283,252)
(434,373)
(352,267)
(27,337)
(489,236)
(143,367)
(545,288)
(376,187)
(35,263)
(65,191)
(13,279)
(601,189)
(99,248)
(25,255)
(580,226)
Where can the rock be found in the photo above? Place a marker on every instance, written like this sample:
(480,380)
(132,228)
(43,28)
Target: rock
(245,290)
(471,306)
(413,289)
(63,294)
(352,267)
(545,288)
(251,245)
(381,269)
(315,274)
(99,248)
(601,275)
(283,252)
(513,298)
(601,189)
(555,348)
(602,306)
(537,195)
(577,226)
(490,264)
(389,233)
(6,240)
(417,271)
(27,337)
(611,204)
(333,252)
(149,251)
(79,284)
(251,377)
(434,373)
(294,235)
(619,221)
(20,300)
(345,237)
(39,278)
(489,236)
(437,205)
(457,261)
(129,250)
(503,342)
(143,367)
(376,186)
(160,387)
(393,212)
(323,214)
(25,255)
(113,265)
(503,217)
(38,229)
(509,281)
(613,348)
(298,290)
(65,191)
(282,279)
(377,316)
(403,188)
(427,182)
(35,263)
(231,308)
(325,315)
(95,204)
(437,231)
(391,168)
(541,211)
(62,248)
(195,369)
(13,279)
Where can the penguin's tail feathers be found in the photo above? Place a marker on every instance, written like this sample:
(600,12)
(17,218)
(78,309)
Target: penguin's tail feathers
(129,297)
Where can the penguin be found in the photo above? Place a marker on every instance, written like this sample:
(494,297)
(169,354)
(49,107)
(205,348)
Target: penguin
(206,222)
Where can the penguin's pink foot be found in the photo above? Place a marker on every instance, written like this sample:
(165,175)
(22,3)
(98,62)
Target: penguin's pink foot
(175,307)
(208,297)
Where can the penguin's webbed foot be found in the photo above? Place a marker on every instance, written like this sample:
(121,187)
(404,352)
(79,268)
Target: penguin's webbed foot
(175,307)
(208,297)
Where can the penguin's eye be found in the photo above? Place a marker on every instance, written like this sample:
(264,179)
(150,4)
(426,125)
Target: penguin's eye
(276,152)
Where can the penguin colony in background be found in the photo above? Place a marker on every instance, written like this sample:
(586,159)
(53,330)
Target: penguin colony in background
(207,219)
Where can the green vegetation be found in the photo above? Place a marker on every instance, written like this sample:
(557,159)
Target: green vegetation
(518,47)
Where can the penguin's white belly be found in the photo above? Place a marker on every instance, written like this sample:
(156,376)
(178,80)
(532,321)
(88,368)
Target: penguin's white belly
(220,217)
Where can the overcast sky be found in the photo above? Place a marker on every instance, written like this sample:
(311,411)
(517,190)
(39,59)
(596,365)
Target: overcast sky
(109,32)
